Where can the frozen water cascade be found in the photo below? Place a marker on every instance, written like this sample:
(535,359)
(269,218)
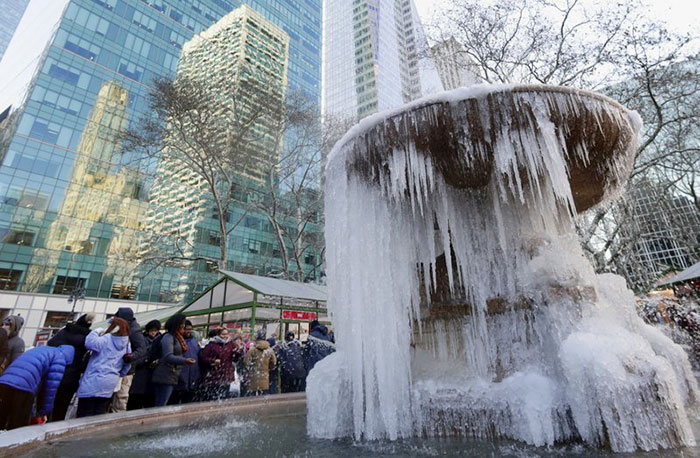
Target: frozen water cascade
(462,302)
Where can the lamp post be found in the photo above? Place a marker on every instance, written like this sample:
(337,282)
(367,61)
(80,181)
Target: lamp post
(78,294)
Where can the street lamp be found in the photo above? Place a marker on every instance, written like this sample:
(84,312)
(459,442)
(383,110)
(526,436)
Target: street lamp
(78,294)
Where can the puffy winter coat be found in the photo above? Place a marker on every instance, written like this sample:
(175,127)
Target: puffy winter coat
(189,375)
(73,335)
(106,365)
(4,349)
(225,372)
(318,346)
(139,350)
(171,361)
(15,343)
(41,364)
(259,361)
(291,356)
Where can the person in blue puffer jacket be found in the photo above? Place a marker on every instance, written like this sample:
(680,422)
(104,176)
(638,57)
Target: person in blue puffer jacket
(110,351)
(41,367)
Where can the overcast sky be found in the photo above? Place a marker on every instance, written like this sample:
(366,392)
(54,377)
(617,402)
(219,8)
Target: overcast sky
(681,15)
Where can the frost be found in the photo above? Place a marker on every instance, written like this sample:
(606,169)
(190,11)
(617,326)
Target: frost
(533,345)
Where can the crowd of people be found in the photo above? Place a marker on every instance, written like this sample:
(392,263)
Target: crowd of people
(83,372)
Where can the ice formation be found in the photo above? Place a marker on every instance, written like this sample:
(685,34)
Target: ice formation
(461,299)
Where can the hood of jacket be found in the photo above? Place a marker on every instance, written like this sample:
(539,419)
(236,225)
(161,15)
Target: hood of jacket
(320,332)
(75,328)
(16,323)
(86,320)
(125,313)
(262,345)
(120,342)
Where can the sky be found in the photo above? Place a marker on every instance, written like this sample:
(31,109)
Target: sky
(681,15)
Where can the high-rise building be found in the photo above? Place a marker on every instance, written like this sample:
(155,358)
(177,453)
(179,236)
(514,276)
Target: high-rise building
(664,230)
(242,62)
(73,204)
(374,57)
(453,65)
(12,11)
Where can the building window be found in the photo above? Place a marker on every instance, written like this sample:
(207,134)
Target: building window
(15,237)
(123,292)
(9,279)
(56,320)
(66,285)
(214,239)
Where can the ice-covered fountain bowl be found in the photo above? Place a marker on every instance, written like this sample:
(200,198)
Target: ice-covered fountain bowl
(462,131)
(463,304)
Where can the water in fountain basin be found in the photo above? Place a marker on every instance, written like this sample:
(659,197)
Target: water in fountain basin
(566,359)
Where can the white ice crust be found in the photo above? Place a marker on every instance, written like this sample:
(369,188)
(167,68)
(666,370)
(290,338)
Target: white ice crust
(575,363)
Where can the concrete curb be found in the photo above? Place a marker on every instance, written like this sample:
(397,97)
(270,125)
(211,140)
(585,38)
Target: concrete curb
(23,440)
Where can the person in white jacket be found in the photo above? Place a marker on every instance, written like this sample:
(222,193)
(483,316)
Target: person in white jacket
(105,367)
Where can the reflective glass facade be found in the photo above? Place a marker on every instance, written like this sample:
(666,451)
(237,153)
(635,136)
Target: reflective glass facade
(371,57)
(73,208)
(10,13)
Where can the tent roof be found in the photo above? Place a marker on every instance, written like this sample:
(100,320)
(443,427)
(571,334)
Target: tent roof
(143,318)
(688,274)
(282,288)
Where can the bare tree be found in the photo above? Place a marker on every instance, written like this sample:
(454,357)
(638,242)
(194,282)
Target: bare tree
(613,48)
(205,147)
(292,200)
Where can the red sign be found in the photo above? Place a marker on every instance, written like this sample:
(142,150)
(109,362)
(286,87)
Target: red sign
(297,315)
(41,338)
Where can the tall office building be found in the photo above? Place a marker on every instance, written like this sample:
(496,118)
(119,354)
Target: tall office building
(665,229)
(373,57)
(241,62)
(11,13)
(73,204)
(453,65)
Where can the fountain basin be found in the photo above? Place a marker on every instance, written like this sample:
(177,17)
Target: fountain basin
(271,426)
(461,134)
(22,441)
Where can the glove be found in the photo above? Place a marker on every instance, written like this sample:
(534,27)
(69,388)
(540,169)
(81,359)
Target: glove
(128,357)
(38,420)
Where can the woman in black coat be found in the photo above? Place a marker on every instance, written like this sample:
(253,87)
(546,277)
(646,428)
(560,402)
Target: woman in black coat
(141,391)
(72,334)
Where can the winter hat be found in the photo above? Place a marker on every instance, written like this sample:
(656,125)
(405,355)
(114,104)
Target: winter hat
(289,335)
(86,320)
(125,313)
(118,327)
(260,335)
(272,341)
(68,353)
(153,324)
(313,324)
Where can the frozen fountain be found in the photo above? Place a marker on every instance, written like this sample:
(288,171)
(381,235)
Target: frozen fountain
(462,302)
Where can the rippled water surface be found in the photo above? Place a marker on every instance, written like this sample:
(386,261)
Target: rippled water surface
(287,437)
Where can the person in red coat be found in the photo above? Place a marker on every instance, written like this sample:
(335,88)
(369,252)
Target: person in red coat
(218,360)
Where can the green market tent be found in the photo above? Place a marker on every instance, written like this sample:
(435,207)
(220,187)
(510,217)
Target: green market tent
(253,302)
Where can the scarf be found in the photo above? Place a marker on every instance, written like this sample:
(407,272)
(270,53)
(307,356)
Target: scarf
(181,339)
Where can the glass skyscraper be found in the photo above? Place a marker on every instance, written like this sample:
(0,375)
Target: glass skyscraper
(11,12)
(73,205)
(372,57)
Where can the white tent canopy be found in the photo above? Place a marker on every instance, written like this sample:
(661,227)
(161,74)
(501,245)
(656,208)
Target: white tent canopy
(688,274)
